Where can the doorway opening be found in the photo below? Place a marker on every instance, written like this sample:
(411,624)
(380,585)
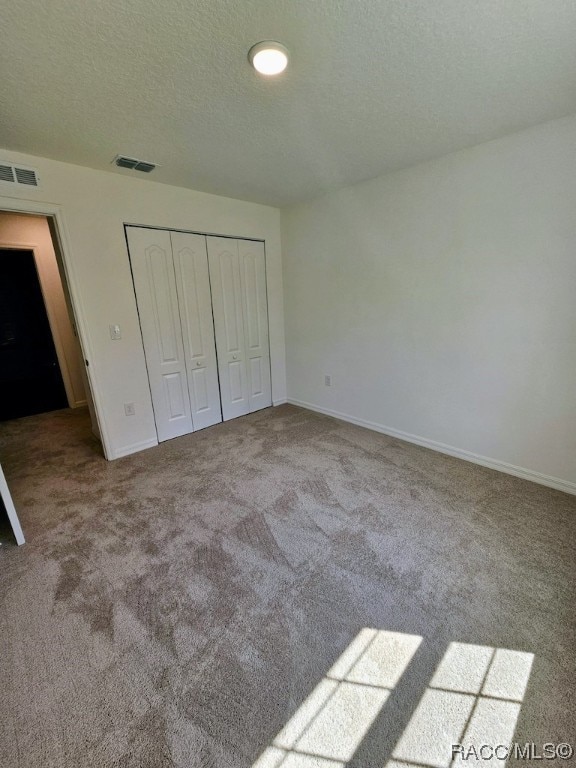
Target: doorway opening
(30,377)
(41,362)
(45,394)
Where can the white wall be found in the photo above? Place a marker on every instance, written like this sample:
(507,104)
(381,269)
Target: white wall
(94,207)
(442,300)
(23,231)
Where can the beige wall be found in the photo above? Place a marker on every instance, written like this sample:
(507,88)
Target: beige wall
(442,301)
(94,206)
(33,232)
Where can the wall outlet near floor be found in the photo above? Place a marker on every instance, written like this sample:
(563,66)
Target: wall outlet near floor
(129,409)
(328,381)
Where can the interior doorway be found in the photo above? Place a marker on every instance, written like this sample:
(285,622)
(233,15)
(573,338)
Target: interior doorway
(30,377)
(45,392)
(41,362)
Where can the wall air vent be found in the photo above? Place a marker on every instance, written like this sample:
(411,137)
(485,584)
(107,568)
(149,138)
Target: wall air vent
(18,175)
(133,164)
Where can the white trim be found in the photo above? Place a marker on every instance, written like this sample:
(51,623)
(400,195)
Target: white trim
(11,510)
(280,401)
(459,453)
(21,205)
(134,448)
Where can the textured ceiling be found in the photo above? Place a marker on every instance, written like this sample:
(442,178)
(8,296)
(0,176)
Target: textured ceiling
(373,86)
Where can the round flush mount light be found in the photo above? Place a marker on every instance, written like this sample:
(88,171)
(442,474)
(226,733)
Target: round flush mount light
(268,57)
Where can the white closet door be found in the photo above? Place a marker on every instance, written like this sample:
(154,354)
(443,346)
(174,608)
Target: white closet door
(228,324)
(255,314)
(193,285)
(155,284)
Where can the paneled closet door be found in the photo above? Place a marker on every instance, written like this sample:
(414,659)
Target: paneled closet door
(228,324)
(255,314)
(193,286)
(156,296)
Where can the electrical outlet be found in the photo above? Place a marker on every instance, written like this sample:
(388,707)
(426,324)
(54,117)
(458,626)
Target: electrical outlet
(115,332)
(328,381)
(129,409)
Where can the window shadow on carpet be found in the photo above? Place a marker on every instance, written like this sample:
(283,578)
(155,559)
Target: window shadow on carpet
(473,699)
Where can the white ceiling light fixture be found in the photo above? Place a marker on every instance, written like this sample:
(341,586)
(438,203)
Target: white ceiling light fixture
(268,57)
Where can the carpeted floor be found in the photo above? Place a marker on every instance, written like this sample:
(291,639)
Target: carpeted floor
(176,607)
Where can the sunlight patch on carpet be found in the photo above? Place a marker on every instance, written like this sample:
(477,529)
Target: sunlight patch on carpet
(331,723)
(473,699)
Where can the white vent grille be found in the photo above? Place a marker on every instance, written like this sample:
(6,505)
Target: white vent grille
(6,173)
(18,175)
(26,176)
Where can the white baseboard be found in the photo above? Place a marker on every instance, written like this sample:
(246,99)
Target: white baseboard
(134,448)
(281,401)
(484,461)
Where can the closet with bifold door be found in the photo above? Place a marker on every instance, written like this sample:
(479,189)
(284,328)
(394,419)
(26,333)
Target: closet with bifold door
(203,313)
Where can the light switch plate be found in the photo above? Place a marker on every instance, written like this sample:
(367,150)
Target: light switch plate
(115,332)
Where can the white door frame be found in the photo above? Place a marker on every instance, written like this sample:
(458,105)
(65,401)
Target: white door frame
(55,212)
(10,509)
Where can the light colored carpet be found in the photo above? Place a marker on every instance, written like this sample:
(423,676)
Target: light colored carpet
(177,607)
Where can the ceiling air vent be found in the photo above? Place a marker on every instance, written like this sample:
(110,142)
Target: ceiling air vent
(133,164)
(18,175)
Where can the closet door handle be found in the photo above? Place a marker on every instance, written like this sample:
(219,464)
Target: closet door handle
(198,363)
(234,357)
